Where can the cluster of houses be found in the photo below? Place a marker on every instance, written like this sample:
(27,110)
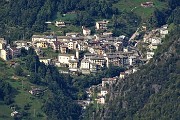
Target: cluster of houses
(101,90)
(8,52)
(102,50)
(154,38)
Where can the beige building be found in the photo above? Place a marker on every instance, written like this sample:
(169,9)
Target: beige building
(101,25)
(60,24)
(2,43)
(153,46)
(122,75)
(72,45)
(41,44)
(37,38)
(101,100)
(3,54)
(64,49)
(86,31)
(73,65)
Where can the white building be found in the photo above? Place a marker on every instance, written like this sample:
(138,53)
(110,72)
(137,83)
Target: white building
(14,113)
(43,38)
(132,60)
(86,31)
(150,55)
(104,92)
(50,38)
(155,40)
(85,64)
(45,61)
(64,58)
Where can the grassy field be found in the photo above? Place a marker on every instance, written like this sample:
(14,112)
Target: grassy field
(62,31)
(69,17)
(135,6)
(65,17)
(22,96)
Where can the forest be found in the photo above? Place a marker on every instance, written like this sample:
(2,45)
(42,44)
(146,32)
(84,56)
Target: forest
(21,23)
(151,93)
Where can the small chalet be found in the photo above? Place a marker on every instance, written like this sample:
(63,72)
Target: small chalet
(36,91)
(60,24)
(147,4)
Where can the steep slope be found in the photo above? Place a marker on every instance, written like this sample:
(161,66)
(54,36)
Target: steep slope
(154,91)
(51,97)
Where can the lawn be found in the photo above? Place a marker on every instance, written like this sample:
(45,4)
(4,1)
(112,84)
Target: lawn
(5,112)
(64,17)
(61,31)
(135,6)
(69,17)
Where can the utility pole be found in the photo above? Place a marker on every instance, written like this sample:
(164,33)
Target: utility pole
(22,84)
(35,65)
(93,116)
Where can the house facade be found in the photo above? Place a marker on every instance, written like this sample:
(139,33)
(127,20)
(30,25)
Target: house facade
(101,25)
(64,58)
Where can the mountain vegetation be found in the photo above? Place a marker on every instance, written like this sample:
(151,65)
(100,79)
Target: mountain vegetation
(151,93)
(60,91)
(21,23)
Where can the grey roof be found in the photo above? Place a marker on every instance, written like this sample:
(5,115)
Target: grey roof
(97,58)
(66,55)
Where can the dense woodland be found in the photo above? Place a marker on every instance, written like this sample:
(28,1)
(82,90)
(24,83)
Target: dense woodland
(16,23)
(151,93)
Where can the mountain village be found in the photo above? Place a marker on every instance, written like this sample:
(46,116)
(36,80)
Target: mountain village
(84,53)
